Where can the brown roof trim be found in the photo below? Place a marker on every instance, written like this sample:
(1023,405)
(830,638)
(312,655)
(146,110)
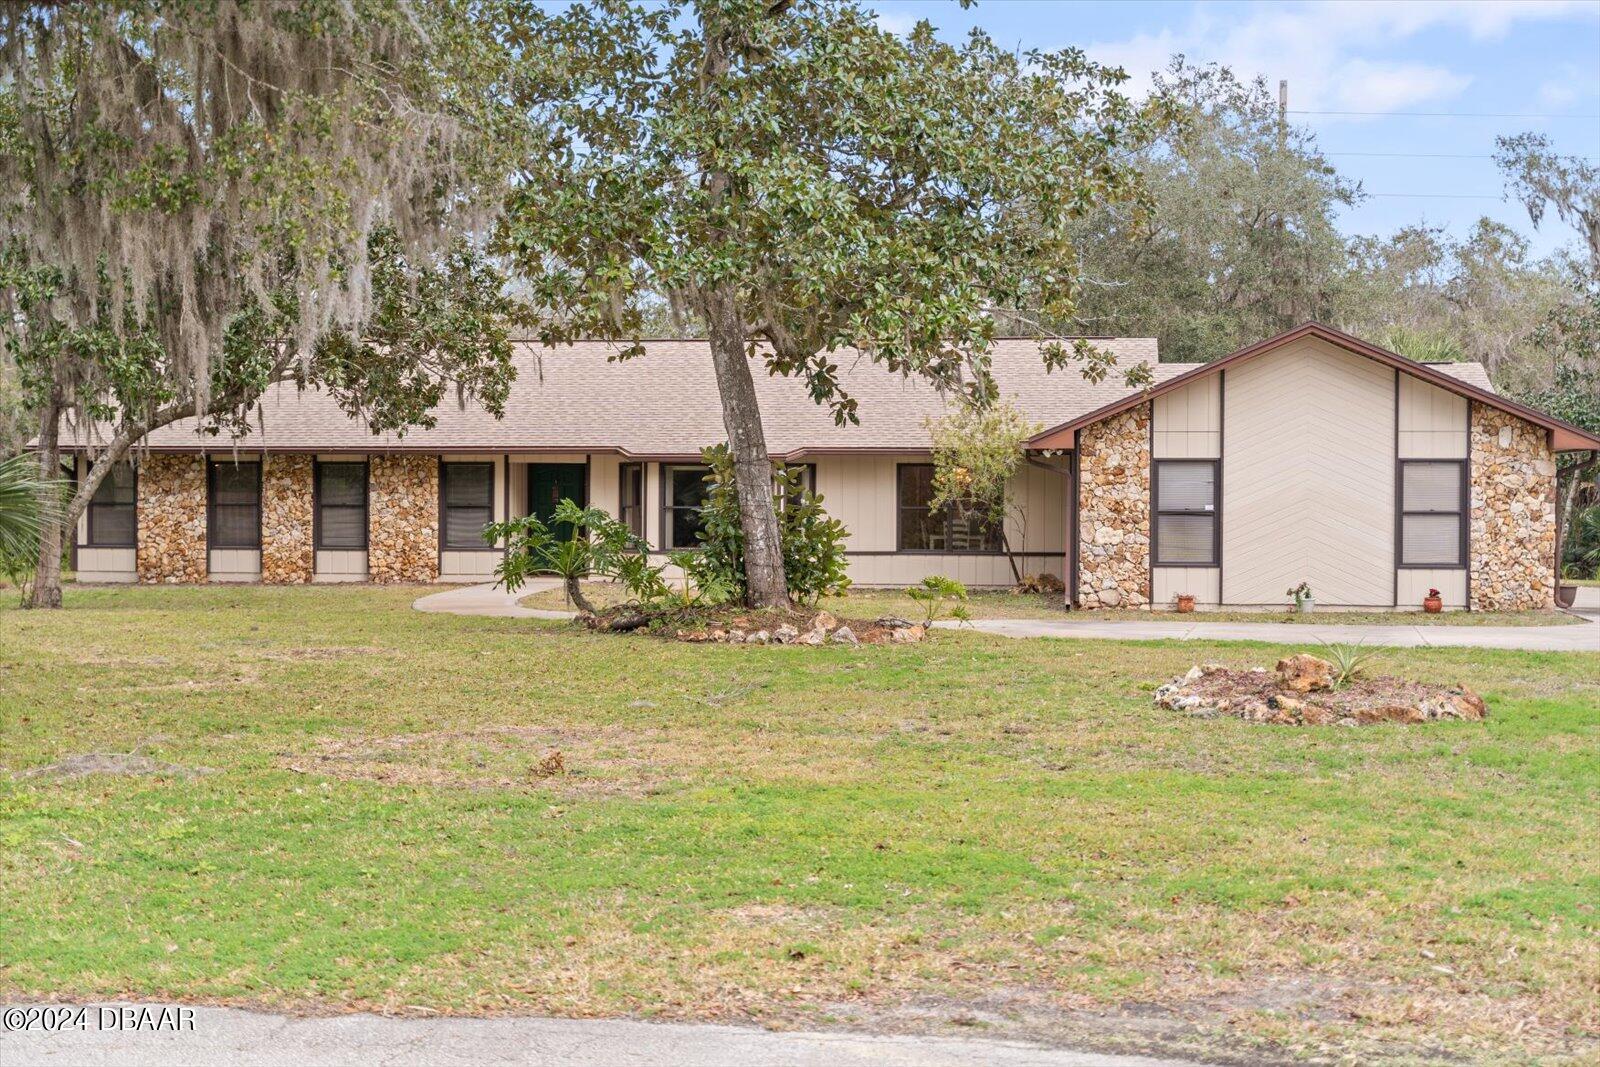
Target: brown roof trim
(1564,436)
(247,445)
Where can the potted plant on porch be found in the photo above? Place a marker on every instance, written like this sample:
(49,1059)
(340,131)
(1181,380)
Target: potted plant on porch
(1185,603)
(1304,602)
(1433,603)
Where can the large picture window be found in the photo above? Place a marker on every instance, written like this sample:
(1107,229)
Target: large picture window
(112,521)
(1433,521)
(341,520)
(925,529)
(234,515)
(684,491)
(631,507)
(467,490)
(1188,521)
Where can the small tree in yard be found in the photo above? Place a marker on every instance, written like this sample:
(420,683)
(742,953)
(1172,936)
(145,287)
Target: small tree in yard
(199,201)
(802,181)
(977,452)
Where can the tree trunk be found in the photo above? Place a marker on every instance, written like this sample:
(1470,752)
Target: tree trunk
(1011,557)
(575,595)
(765,585)
(46,589)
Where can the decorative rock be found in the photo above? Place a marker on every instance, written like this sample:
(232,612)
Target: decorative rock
(760,637)
(1285,703)
(1301,673)
(172,519)
(288,555)
(812,637)
(403,518)
(784,634)
(908,635)
(1513,513)
(1114,511)
(824,621)
(893,622)
(844,636)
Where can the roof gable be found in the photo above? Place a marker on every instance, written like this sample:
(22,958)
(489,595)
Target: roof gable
(1564,436)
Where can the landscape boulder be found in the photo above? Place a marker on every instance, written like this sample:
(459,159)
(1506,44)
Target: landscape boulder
(1302,673)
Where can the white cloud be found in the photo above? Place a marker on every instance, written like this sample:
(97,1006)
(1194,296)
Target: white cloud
(1325,48)
(1365,85)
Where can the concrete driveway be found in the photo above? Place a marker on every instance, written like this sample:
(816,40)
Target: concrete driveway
(232,1037)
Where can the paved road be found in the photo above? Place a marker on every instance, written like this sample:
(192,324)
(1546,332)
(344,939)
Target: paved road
(487,600)
(230,1037)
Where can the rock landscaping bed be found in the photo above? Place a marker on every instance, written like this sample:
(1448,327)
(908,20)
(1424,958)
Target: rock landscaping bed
(1305,691)
(740,626)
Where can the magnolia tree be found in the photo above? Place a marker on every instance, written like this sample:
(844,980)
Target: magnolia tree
(198,201)
(977,453)
(802,182)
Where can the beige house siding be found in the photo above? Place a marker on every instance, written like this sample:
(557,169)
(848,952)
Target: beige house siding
(1433,425)
(1413,583)
(1188,421)
(1308,484)
(234,564)
(341,565)
(1188,425)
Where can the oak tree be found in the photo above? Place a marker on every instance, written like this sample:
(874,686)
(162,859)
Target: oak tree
(802,182)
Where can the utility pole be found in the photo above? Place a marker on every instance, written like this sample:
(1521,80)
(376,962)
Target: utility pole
(1283,111)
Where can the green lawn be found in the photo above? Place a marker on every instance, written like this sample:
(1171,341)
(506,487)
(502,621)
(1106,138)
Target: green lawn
(970,830)
(1000,604)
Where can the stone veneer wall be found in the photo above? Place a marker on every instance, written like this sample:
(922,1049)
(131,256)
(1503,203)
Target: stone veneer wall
(287,553)
(1114,511)
(172,518)
(403,519)
(1513,541)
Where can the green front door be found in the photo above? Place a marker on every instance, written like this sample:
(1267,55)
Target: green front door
(551,483)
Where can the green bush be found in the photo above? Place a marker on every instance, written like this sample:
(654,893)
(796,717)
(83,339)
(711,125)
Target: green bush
(812,542)
(596,545)
(932,594)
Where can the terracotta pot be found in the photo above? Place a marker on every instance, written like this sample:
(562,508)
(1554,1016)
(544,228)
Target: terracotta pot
(1185,604)
(1432,605)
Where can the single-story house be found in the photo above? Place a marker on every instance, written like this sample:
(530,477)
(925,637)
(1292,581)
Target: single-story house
(1312,456)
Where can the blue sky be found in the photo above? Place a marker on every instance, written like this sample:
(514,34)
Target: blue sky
(1433,80)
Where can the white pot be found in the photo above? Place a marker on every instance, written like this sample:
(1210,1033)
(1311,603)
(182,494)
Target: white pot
(1306,606)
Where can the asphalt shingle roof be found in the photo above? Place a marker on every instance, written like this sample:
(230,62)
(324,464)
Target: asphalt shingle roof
(664,403)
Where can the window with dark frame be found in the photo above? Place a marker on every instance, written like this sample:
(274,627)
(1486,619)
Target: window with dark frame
(1188,521)
(922,528)
(631,507)
(113,521)
(808,480)
(341,494)
(234,515)
(1433,519)
(684,491)
(467,492)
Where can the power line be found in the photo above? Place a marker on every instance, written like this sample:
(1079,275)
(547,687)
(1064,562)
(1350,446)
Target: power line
(1451,114)
(1439,195)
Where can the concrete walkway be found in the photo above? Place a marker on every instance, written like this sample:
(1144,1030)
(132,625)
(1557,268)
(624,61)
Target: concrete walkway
(1583,637)
(232,1037)
(491,600)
